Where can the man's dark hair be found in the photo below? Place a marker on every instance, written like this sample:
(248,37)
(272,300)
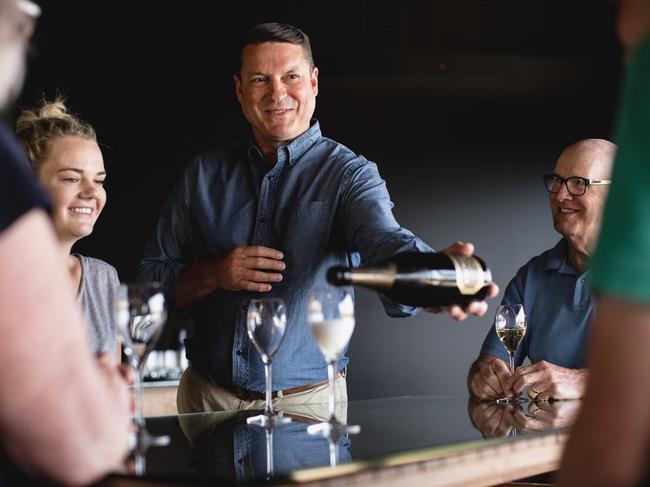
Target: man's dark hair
(275,32)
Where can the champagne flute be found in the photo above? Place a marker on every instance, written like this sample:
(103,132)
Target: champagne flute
(266,322)
(140,315)
(510,326)
(331,319)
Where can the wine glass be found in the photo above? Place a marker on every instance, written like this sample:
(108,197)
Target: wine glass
(140,315)
(510,326)
(266,322)
(330,315)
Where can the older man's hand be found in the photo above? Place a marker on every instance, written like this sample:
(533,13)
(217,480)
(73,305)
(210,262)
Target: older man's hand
(476,308)
(548,381)
(488,377)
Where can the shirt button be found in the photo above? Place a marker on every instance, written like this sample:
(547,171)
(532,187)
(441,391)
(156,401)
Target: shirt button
(262,220)
(240,352)
(271,178)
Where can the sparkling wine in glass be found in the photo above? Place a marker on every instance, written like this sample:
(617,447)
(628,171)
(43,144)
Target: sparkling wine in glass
(140,315)
(266,322)
(510,326)
(330,315)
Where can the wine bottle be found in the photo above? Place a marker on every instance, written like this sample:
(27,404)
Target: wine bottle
(427,279)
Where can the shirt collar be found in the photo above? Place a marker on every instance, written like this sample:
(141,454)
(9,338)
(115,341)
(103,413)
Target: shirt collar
(558,259)
(295,149)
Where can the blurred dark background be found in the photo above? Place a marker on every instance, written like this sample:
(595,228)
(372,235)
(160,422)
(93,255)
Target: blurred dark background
(463,104)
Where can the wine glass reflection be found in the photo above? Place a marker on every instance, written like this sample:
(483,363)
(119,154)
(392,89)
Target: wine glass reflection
(226,447)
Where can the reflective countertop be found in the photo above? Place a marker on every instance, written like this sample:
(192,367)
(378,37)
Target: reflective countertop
(221,448)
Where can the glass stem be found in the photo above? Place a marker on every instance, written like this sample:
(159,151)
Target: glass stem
(333,453)
(512,363)
(330,378)
(269,453)
(137,389)
(268,409)
(139,462)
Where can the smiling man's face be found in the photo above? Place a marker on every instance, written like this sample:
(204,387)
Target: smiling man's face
(578,218)
(277,90)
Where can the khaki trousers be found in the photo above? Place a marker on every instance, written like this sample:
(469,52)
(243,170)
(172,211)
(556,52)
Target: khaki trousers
(198,393)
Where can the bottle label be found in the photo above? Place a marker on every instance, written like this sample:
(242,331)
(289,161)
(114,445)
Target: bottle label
(470,277)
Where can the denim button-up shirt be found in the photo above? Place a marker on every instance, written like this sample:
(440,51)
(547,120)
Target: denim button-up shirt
(558,309)
(320,204)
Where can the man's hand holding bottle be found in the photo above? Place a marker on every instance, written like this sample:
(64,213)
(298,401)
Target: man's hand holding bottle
(475,308)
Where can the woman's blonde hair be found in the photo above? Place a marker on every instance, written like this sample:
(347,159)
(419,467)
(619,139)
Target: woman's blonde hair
(37,127)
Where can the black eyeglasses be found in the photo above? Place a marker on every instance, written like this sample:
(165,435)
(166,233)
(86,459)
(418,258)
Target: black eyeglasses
(575,185)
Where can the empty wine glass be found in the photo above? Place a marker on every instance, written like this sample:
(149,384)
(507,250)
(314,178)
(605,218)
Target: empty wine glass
(140,315)
(266,322)
(510,326)
(330,315)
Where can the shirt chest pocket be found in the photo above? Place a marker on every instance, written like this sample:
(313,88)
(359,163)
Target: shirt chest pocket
(308,228)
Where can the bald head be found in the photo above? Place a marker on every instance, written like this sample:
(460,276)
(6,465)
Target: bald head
(588,158)
(577,216)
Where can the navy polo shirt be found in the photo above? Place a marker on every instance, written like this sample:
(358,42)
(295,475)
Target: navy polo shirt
(558,309)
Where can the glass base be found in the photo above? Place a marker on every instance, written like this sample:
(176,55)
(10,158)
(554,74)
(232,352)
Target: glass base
(511,400)
(140,441)
(268,420)
(155,440)
(333,429)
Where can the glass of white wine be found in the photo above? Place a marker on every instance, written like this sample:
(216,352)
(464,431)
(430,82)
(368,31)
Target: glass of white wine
(330,315)
(510,326)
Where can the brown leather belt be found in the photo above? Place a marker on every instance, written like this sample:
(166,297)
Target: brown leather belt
(254,395)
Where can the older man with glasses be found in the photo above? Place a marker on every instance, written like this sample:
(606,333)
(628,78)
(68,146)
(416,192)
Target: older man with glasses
(553,288)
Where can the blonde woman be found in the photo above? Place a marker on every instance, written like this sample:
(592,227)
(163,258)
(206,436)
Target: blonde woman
(68,162)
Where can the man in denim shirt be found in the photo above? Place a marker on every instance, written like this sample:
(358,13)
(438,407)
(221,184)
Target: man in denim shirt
(270,214)
(553,288)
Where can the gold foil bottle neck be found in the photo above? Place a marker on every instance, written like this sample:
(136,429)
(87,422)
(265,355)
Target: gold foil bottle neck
(470,277)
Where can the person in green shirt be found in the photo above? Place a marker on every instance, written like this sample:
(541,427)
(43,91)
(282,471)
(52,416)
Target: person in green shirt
(608,444)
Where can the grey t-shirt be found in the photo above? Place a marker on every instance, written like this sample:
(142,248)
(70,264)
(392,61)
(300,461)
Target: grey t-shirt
(99,284)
